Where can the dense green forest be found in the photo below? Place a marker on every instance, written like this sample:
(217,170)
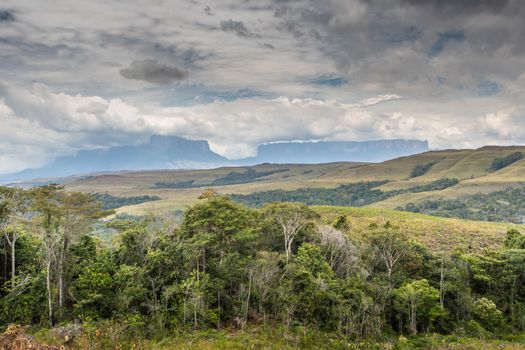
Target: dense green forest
(113,202)
(500,163)
(227,266)
(355,195)
(421,169)
(506,205)
(232,178)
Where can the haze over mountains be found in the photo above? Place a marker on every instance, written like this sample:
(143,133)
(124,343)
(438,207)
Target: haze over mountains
(173,152)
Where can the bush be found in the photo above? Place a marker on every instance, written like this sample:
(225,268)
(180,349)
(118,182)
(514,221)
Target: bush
(487,314)
(500,163)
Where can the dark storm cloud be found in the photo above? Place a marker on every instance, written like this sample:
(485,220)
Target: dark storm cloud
(207,10)
(153,72)
(460,7)
(6,16)
(237,27)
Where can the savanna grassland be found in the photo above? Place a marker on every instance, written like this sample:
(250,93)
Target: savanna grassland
(177,189)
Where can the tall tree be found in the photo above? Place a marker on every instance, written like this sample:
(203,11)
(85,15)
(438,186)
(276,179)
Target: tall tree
(13,205)
(292,218)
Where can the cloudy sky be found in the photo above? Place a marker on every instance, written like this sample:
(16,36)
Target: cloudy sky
(89,74)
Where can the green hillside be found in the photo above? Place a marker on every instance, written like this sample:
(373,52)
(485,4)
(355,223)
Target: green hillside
(180,188)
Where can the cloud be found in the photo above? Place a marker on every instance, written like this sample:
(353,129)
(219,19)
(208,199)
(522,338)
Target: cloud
(153,72)
(335,69)
(6,16)
(207,10)
(457,35)
(237,27)
(43,124)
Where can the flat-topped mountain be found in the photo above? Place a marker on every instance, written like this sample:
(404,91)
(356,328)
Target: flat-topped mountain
(336,151)
(173,152)
(161,152)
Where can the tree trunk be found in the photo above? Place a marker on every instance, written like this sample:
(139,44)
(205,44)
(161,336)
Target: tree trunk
(61,283)
(13,261)
(12,245)
(413,322)
(441,284)
(49,297)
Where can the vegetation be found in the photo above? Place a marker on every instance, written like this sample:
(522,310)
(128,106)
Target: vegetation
(231,178)
(112,202)
(357,195)
(506,205)
(500,163)
(421,169)
(229,268)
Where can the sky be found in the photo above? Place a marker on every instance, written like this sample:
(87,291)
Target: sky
(93,74)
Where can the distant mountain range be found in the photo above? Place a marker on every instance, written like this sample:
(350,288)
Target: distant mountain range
(335,151)
(173,152)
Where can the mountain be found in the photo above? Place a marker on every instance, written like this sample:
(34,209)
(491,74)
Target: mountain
(172,152)
(335,151)
(161,152)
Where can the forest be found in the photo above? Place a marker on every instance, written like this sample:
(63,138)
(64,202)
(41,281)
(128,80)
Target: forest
(355,194)
(506,205)
(230,267)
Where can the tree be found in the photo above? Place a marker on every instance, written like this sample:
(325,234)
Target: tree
(78,211)
(13,205)
(338,249)
(389,246)
(60,217)
(292,218)
(314,286)
(418,297)
(486,313)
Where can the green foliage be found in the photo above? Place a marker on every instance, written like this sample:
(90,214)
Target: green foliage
(419,300)
(232,178)
(227,266)
(506,205)
(500,163)
(359,194)
(421,169)
(514,240)
(356,195)
(487,314)
(112,202)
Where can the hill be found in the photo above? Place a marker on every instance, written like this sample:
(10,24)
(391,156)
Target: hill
(179,188)
(173,152)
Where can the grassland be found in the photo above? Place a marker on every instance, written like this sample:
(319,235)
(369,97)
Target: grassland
(471,167)
(270,337)
(439,234)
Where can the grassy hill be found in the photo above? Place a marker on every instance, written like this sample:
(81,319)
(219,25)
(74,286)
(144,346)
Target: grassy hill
(179,188)
(439,234)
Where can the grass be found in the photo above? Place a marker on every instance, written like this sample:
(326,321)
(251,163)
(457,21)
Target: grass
(438,234)
(471,167)
(271,337)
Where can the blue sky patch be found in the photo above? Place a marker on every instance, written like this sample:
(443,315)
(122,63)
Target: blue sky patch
(328,80)
(488,88)
(439,45)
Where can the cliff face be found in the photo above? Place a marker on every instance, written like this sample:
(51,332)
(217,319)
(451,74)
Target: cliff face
(172,152)
(334,151)
(162,152)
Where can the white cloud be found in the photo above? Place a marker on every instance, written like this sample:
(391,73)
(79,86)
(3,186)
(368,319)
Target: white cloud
(39,123)
(392,86)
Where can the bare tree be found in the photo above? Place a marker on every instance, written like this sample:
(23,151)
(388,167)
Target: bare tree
(291,218)
(339,250)
(389,246)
